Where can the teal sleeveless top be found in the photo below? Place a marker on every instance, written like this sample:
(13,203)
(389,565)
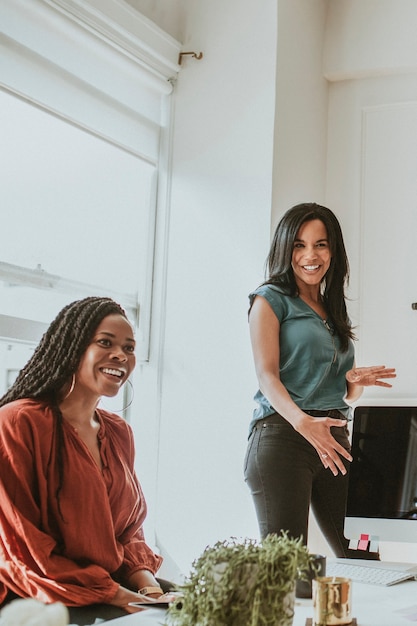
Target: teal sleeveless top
(312,367)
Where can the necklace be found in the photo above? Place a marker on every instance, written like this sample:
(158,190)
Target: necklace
(331,333)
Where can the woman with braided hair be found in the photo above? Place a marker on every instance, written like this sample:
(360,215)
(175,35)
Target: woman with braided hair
(71,507)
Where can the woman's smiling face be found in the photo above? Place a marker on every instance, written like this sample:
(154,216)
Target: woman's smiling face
(109,359)
(311,255)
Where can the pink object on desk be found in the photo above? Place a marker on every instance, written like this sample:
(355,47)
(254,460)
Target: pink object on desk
(363,542)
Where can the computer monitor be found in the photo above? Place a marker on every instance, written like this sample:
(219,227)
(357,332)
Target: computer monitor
(382,496)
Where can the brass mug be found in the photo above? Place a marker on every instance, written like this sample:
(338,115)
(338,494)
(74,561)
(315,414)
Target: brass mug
(332,601)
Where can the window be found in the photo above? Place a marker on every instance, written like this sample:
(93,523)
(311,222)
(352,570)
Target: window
(84,101)
(80,215)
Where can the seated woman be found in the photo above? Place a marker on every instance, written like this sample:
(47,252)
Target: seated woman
(71,507)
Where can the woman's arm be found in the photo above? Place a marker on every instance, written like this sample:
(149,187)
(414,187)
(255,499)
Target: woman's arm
(264,331)
(145,582)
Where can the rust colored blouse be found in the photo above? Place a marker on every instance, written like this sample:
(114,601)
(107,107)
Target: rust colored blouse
(77,554)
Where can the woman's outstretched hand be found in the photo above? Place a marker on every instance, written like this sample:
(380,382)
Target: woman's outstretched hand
(368,376)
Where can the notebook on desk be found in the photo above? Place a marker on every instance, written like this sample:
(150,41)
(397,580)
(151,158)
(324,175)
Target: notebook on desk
(384,573)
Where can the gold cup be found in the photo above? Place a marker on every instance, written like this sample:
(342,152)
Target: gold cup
(332,601)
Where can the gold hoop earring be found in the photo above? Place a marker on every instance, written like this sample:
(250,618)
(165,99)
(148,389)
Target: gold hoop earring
(71,389)
(124,408)
(132,391)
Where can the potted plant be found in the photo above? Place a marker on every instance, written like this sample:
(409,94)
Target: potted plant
(242,582)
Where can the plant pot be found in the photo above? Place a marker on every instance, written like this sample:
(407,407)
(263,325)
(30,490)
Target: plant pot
(287,616)
(242,583)
(244,586)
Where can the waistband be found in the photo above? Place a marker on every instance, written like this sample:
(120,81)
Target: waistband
(276,418)
(329,413)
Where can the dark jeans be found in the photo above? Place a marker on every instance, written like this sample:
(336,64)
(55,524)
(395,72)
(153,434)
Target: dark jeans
(285,475)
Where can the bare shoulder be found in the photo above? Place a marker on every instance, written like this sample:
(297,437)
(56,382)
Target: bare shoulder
(262,310)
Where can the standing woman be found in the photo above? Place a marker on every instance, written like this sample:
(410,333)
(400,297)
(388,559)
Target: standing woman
(299,452)
(71,507)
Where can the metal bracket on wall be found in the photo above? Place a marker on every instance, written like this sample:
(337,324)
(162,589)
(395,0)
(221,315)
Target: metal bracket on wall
(193,55)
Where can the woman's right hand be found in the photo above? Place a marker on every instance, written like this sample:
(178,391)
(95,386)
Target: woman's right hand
(316,430)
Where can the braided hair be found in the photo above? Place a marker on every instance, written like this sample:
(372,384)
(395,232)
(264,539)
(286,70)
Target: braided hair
(57,358)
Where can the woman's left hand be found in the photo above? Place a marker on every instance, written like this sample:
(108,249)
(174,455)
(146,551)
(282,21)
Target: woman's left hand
(368,376)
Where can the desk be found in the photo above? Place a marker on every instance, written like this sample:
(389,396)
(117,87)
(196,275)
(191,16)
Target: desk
(372,605)
(148,617)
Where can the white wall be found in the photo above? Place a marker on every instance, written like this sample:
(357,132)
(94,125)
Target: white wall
(370,38)
(219,235)
(170,15)
(300,142)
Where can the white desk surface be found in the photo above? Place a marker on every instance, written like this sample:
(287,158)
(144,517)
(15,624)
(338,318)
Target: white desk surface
(147,617)
(372,605)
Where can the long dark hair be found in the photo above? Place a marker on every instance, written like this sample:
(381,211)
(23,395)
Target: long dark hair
(57,357)
(280,272)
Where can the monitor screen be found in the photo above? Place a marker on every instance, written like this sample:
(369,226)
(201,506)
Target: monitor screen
(382,496)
